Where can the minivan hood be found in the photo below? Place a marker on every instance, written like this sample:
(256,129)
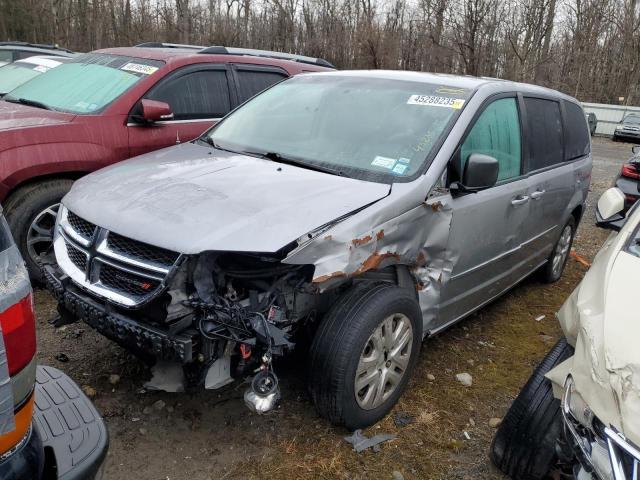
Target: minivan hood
(14,116)
(191,198)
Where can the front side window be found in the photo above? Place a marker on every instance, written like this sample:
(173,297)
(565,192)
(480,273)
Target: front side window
(85,85)
(545,133)
(251,82)
(496,133)
(6,56)
(370,128)
(201,94)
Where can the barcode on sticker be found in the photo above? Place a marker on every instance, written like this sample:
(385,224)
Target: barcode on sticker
(435,101)
(139,68)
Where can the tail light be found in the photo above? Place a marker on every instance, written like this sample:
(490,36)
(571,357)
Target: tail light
(19,334)
(630,171)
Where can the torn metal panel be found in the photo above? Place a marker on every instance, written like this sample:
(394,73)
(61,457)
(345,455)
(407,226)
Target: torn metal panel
(598,321)
(417,239)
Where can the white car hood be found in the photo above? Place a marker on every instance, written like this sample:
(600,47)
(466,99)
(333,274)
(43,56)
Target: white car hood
(192,198)
(600,319)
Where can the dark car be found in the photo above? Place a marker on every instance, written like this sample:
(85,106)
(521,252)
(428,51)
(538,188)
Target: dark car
(628,179)
(628,128)
(592,120)
(12,51)
(112,104)
(41,409)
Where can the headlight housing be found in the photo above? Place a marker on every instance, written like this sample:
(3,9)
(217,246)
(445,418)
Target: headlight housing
(573,404)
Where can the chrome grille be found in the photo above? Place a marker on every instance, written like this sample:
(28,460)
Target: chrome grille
(127,283)
(625,457)
(127,246)
(120,269)
(77,257)
(82,227)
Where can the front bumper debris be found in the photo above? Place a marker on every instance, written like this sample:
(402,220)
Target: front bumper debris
(124,330)
(602,452)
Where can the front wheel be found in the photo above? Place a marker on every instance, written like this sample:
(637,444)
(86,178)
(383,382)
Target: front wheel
(31,214)
(524,445)
(363,354)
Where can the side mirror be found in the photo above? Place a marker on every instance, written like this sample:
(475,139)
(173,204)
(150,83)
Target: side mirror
(481,171)
(153,111)
(610,209)
(635,149)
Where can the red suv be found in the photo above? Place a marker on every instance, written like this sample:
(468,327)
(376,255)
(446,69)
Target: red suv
(112,104)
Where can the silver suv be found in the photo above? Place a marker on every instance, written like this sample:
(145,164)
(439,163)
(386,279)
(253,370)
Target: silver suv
(363,210)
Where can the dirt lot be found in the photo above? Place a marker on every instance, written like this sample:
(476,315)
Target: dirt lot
(211,435)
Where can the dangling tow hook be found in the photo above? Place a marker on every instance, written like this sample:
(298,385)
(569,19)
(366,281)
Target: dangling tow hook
(264,393)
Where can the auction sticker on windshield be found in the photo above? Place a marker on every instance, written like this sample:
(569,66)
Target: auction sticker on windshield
(435,101)
(139,68)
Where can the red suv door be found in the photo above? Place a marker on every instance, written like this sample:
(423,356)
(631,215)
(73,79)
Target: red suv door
(199,95)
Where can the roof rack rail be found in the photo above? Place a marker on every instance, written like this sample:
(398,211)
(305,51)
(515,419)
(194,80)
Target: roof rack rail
(169,45)
(46,46)
(219,50)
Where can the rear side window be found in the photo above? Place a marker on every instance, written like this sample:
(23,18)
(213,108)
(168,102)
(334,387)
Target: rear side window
(576,141)
(201,94)
(251,82)
(545,132)
(496,133)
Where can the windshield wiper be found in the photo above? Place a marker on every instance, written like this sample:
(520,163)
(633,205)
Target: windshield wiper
(278,157)
(27,102)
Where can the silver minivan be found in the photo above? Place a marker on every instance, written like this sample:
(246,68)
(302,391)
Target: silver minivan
(351,213)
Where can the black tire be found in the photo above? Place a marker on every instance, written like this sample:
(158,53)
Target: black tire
(339,342)
(23,206)
(547,274)
(524,445)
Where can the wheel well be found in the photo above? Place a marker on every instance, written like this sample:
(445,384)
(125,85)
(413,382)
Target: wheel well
(577,214)
(34,180)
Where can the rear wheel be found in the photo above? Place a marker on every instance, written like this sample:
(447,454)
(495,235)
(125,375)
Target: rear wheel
(31,213)
(552,270)
(524,445)
(363,354)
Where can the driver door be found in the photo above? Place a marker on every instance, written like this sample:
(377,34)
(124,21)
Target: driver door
(487,231)
(198,96)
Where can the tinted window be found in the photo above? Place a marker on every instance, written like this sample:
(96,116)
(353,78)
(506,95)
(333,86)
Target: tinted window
(6,56)
(496,133)
(203,94)
(254,81)
(20,54)
(576,142)
(545,132)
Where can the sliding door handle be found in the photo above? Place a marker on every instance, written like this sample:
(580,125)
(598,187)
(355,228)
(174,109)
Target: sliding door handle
(537,194)
(520,200)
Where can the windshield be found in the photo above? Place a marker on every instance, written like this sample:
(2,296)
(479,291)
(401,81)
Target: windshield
(17,73)
(370,128)
(634,119)
(85,85)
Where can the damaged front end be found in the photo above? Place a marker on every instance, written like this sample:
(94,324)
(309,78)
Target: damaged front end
(205,319)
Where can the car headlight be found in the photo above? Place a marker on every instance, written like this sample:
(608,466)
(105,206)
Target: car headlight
(619,127)
(573,404)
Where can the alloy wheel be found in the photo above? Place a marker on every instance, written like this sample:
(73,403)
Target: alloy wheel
(383,361)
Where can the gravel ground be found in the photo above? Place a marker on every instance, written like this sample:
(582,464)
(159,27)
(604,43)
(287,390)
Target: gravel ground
(160,436)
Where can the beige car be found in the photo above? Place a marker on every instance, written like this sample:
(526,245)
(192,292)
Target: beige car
(586,419)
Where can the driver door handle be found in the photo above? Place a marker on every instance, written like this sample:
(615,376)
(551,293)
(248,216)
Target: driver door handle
(537,194)
(520,200)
